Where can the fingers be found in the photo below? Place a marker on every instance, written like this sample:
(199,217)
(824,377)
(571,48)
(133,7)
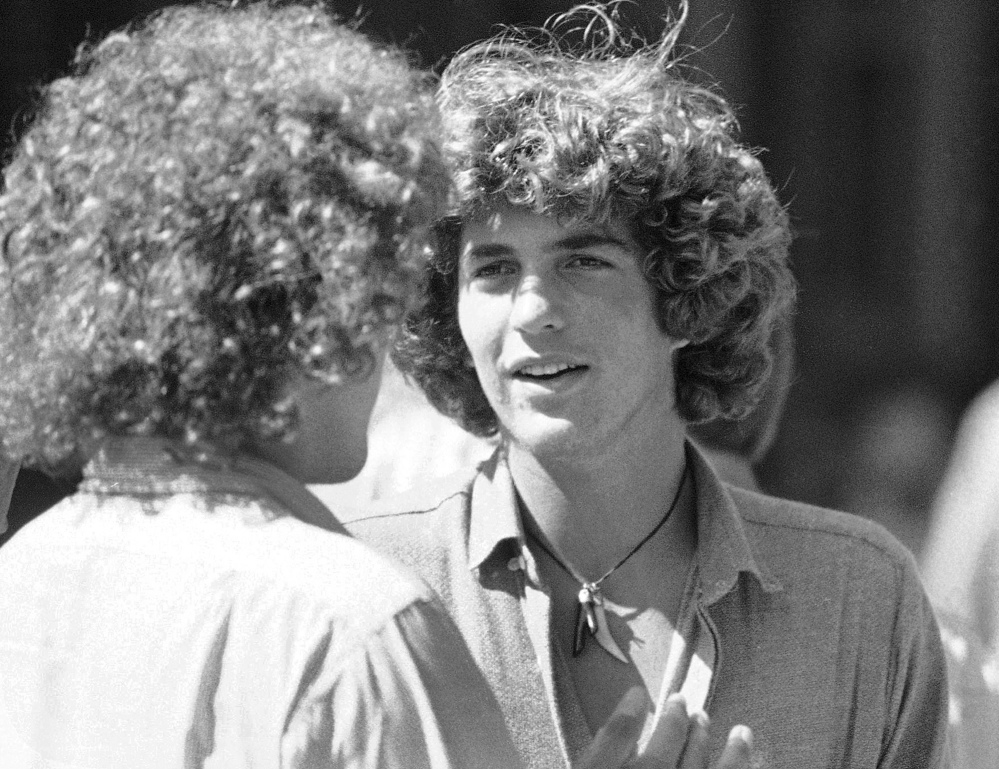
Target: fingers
(683,742)
(679,741)
(738,749)
(615,744)
(665,745)
(695,755)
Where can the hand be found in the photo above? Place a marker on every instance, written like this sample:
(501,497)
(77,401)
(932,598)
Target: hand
(679,741)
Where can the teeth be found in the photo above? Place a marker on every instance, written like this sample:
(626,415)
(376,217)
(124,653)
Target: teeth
(546,369)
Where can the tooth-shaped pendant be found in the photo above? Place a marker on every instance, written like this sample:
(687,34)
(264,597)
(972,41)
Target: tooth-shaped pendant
(591,619)
(604,637)
(579,639)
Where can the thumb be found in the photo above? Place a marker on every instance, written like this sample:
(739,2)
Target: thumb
(615,744)
(738,749)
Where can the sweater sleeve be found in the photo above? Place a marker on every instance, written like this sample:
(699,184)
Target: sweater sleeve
(916,735)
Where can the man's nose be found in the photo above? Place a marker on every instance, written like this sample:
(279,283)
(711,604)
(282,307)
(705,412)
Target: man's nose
(538,307)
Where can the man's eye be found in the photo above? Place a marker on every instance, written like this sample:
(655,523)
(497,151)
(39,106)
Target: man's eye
(588,262)
(493,270)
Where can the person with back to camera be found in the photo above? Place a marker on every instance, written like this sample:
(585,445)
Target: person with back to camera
(207,234)
(612,271)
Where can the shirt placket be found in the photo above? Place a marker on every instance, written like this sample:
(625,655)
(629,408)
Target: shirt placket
(692,663)
(535,603)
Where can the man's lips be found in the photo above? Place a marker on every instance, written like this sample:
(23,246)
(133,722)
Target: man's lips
(546,371)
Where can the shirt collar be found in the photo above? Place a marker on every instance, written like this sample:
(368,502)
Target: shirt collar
(156,466)
(495,516)
(723,551)
(723,548)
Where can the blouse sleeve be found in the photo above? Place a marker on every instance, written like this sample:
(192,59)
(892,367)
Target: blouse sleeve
(408,696)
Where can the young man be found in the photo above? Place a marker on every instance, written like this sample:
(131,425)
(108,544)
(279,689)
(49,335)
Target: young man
(612,273)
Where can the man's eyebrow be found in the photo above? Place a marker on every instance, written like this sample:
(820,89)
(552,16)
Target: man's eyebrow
(589,240)
(487,250)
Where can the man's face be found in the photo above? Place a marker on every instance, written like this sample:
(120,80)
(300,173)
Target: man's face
(560,325)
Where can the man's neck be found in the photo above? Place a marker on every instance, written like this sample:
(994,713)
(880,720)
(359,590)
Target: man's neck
(593,510)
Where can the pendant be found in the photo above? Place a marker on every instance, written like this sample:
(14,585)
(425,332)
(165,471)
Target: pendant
(591,619)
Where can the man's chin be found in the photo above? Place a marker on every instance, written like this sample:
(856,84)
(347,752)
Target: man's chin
(548,438)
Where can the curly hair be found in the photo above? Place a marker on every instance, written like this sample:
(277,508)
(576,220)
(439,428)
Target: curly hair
(215,197)
(612,131)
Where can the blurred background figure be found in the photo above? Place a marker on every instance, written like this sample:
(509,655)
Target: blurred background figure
(207,236)
(961,571)
(961,558)
(895,458)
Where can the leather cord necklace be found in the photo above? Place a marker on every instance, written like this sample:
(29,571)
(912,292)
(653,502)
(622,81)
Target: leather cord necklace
(591,619)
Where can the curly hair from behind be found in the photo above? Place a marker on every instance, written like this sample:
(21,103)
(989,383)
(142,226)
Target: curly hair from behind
(215,198)
(612,130)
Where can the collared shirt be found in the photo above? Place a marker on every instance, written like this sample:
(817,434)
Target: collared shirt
(179,614)
(809,626)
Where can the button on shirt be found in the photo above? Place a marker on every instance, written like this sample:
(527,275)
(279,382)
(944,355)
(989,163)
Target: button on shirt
(808,625)
(176,615)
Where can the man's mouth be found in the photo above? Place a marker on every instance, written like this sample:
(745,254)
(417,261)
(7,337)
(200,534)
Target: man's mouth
(546,371)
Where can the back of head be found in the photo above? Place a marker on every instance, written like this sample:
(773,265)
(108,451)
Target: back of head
(214,198)
(612,130)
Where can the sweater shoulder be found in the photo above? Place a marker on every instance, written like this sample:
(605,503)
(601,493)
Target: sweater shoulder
(786,529)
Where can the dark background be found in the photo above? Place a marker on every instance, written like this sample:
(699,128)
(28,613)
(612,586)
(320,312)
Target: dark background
(879,118)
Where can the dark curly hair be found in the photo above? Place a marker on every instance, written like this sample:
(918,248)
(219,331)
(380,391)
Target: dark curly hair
(216,198)
(612,131)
